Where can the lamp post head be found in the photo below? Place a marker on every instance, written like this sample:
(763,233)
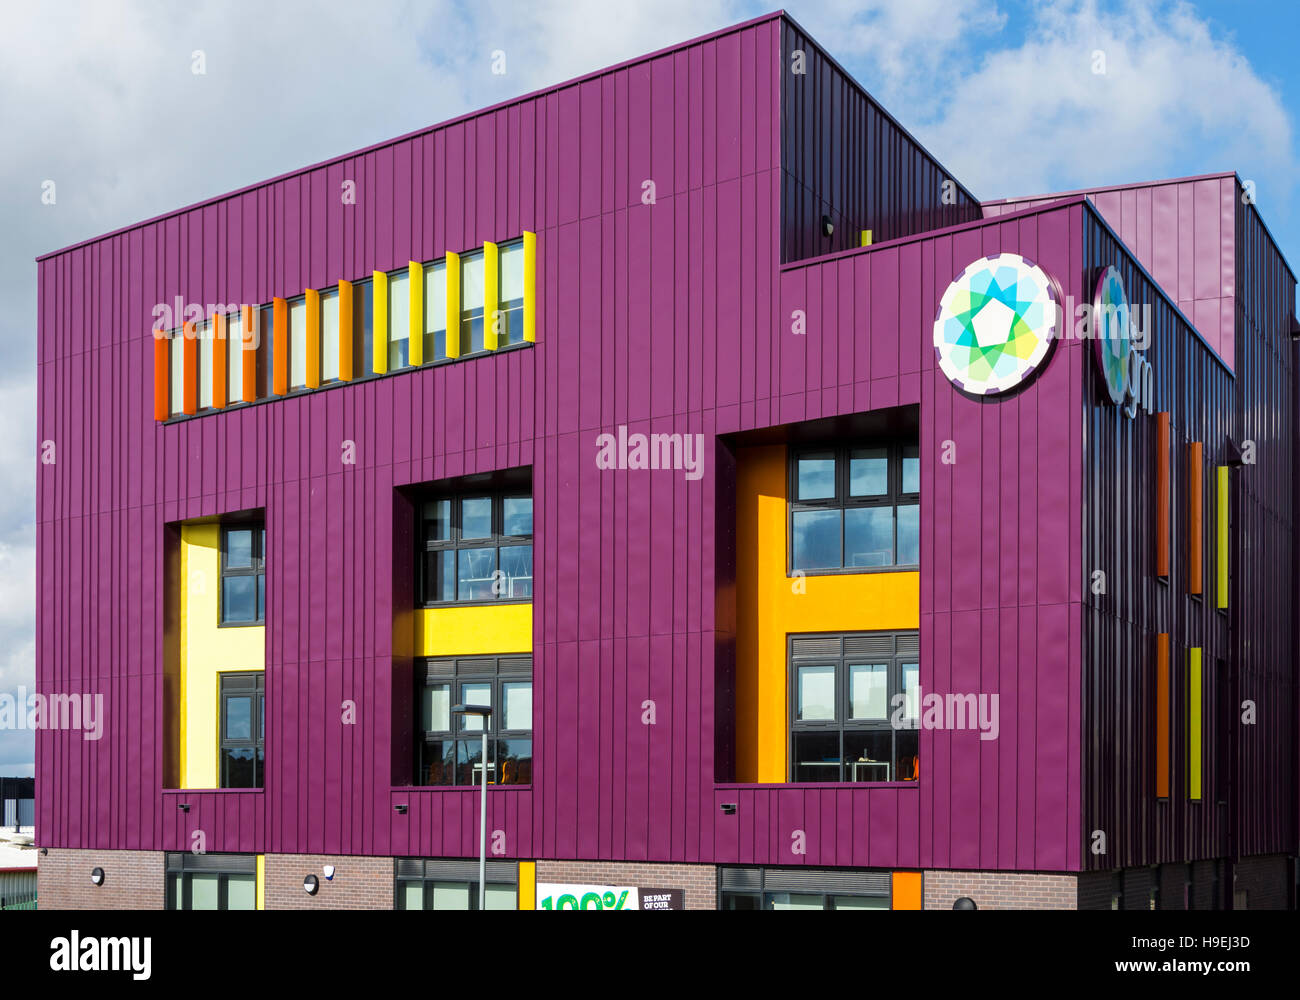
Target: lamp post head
(480,710)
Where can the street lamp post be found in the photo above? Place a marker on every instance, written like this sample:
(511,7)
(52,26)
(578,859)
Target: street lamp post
(483,712)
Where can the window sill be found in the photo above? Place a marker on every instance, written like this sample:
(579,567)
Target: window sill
(443,789)
(856,570)
(474,604)
(210,791)
(813,785)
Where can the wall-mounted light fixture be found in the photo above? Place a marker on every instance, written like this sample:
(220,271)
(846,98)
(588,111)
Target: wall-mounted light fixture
(401,809)
(728,808)
(965,903)
(310,884)
(183,806)
(97,876)
(828,227)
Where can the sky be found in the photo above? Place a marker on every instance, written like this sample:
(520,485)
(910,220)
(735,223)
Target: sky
(101,98)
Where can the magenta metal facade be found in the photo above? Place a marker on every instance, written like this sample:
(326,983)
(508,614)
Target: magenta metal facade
(671,317)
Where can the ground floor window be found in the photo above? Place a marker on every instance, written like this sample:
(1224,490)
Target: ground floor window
(803,889)
(452,884)
(211,881)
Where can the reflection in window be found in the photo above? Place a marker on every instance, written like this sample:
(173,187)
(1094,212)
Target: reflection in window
(243,573)
(243,724)
(477,548)
(511,316)
(450,750)
(471,302)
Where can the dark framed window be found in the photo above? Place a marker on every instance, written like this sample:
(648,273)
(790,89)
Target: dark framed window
(472,267)
(854,507)
(243,574)
(478,547)
(211,881)
(803,889)
(243,728)
(510,317)
(854,707)
(450,748)
(432,884)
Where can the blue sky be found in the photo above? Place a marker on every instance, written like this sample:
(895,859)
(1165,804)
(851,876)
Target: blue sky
(100,98)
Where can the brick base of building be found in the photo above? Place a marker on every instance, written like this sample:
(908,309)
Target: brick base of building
(359,883)
(133,880)
(992,890)
(699,883)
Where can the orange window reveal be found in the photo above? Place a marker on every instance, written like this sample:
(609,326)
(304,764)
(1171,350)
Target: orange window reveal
(280,347)
(190,358)
(1162,715)
(1162,494)
(1195,518)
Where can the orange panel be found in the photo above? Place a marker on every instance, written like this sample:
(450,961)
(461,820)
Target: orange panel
(313,338)
(345,331)
(161,374)
(907,891)
(249,357)
(219,356)
(1162,715)
(1162,494)
(1195,518)
(280,363)
(190,357)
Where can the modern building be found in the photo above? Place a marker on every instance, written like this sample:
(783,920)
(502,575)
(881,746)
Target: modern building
(819,535)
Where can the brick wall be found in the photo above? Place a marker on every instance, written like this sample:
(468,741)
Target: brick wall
(699,883)
(359,883)
(1264,878)
(1001,890)
(133,880)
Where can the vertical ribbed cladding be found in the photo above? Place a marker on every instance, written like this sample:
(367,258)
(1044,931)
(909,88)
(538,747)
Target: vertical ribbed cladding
(1121,625)
(845,157)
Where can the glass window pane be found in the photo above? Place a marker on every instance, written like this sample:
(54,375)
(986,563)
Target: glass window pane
(911,690)
(239,769)
(909,534)
(741,901)
(234,347)
(399,318)
(907,743)
(868,755)
(177,889)
(516,571)
(868,691)
(261,597)
(241,892)
(911,469)
(411,895)
(451,895)
(815,477)
(206,347)
(512,272)
(816,539)
(869,472)
(517,705)
(239,718)
(329,330)
(498,897)
(475,574)
(239,598)
(816,693)
(204,890)
(440,575)
(859,903)
(516,757)
(176,378)
(297,344)
(435,297)
(363,335)
(794,901)
(437,762)
(468,755)
(476,517)
(239,548)
(436,708)
(816,756)
(471,281)
(471,332)
(869,536)
(437,520)
(474,693)
(518,515)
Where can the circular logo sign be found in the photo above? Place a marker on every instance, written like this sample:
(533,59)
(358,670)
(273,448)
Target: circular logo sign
(1111,342)
(995,324)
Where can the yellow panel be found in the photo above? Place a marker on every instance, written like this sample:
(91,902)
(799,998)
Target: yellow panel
(261,881)
(491,294)
(527,885)
(379,360)
(1194,725)
(1221,541)
(530,287)
(771,605)
(453,304)
(866,237)
(206,652)
(481,628)
(415,340)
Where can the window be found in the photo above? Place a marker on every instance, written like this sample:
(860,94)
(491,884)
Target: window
(363,328)
(176,372)
(243,728)
(453,885)
(297,343)
(234,347)
(265,349)
(854,707)
(450,748)
(399,319)
(329,334)
(855,507)
(435,311)
(511,316)
(243,573)
(204,336)
(477,547)
(211,881)
(471,302)
(803,889)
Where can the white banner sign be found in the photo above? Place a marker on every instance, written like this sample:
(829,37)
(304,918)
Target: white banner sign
(555,896)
